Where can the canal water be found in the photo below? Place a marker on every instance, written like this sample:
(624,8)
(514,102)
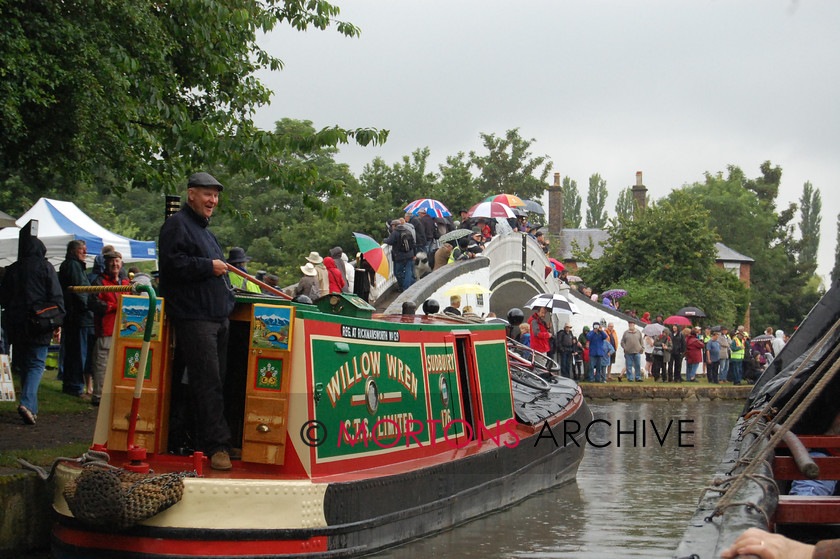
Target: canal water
(632,500)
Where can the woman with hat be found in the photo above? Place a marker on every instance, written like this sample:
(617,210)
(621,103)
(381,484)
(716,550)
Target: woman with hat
(308,284)
(321,271)
(237,259)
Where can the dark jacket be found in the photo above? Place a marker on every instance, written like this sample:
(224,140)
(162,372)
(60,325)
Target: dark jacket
(678,344)
(397,253)
(72,273)
(187,282)
(429,228)
(419,230)
(566,341)
(30,280)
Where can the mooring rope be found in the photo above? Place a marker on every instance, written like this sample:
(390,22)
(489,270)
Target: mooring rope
(754,462)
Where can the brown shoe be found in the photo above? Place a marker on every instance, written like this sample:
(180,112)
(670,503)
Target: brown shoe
(221,461)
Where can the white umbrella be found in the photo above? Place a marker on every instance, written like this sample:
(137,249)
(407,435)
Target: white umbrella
(554,301)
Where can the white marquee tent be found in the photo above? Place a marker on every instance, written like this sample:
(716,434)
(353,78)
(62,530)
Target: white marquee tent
(61,222)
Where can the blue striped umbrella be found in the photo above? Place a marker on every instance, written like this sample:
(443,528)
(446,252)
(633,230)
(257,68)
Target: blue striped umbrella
(433,207)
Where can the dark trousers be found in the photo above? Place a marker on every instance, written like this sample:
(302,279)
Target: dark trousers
(675,369)
(658,368)
(203,347)
(712,371)
(565,363)
(77,342)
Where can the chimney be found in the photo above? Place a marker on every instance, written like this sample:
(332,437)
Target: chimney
(639,194)
(555,207)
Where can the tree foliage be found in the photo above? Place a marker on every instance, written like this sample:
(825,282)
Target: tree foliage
(571,204)
(625,205)
(509,167)
(665,259)
(743,213)
(810,220)
(835,272)
(596,201)
(147,92)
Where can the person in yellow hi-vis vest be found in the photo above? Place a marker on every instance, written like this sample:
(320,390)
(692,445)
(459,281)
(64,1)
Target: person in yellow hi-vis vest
(237,258)
(736,357)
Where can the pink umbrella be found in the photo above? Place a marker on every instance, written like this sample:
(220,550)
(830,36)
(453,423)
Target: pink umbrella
(679,320)
(490,209)
(557,264)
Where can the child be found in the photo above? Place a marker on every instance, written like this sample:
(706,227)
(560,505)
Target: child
(525,338)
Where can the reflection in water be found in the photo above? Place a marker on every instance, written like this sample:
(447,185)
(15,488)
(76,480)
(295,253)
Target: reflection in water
(629,501)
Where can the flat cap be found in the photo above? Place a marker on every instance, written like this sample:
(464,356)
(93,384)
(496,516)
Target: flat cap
(205,180)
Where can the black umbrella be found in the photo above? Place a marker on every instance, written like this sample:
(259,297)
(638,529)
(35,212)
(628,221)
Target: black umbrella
(691,311)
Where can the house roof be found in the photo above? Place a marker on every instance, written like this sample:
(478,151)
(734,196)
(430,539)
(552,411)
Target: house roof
(586,238)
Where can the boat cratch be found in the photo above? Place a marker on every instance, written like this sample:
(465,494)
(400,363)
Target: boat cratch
(780,468)
(352,432)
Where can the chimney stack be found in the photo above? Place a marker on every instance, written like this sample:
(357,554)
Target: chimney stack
(639,194)
(555,207)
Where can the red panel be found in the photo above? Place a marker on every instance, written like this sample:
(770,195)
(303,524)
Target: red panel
(808,510)
(785,468)
(188,548)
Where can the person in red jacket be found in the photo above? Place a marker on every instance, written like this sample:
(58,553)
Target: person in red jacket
(693,353)
(334,274)
(540,330)
(105,314)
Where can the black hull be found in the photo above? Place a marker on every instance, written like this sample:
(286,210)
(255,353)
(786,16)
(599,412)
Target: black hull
(805,352)
(367,516)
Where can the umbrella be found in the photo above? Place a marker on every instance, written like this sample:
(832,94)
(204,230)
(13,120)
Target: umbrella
(680,320)
(454,235)
(556,302)
(762,338)
(534,207)
(432,207)
(691,311)
(467,289)
(614,294)
(557,264)
(509,200)
(653,330)
(575,279)
(490,209)
(373,253)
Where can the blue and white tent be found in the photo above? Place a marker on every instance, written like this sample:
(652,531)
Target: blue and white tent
(61,222)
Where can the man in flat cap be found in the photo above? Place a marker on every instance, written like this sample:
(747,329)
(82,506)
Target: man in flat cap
(199,298)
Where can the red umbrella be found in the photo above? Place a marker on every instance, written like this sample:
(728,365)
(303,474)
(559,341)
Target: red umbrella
(680,320)
(557,264)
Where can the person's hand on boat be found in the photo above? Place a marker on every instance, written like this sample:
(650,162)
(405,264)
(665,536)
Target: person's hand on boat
(767,546)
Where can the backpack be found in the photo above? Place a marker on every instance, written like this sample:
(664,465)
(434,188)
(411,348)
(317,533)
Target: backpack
(406,242)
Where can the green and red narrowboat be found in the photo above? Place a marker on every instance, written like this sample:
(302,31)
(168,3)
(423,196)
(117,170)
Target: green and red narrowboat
(353,432)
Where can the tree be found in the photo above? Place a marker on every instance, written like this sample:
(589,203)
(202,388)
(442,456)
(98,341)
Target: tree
(665,259)
(625,205)
(457,187)
(509,167)
(571,204)
(835,272)
(147,92)
(809,226)
(743,212)
(596,200)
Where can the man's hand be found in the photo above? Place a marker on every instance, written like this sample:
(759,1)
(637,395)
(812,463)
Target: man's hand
(219,267)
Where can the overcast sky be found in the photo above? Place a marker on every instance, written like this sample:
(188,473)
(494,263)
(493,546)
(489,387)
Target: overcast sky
(669,88)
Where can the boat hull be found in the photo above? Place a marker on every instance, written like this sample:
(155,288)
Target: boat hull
(362,516)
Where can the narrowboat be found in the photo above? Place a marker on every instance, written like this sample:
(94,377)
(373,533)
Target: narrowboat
(353,432)
(787,434)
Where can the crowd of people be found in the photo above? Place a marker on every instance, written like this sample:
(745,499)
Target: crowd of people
(591,355)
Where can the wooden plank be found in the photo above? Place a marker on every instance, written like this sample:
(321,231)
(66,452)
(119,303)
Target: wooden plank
(807,510)
(818,441)
(785,468)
